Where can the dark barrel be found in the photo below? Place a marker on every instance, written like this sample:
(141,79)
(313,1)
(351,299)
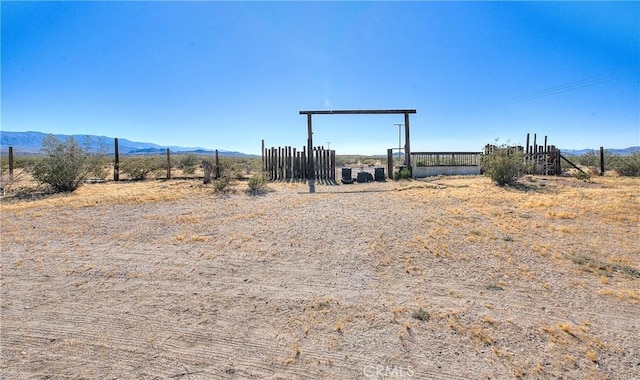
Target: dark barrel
(346,175)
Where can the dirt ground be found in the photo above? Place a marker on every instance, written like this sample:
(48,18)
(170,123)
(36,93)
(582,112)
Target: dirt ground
(447,278)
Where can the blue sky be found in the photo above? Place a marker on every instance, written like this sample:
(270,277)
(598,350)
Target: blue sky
(228,74)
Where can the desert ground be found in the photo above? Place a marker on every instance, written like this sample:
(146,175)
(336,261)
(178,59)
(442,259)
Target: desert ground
(444,278)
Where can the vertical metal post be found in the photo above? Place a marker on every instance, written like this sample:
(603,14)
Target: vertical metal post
(399,125)
(312,169)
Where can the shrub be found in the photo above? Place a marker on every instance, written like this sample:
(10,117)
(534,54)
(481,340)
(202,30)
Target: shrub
(504,165)
(97,161)
(626,165)
(590,159)
(402,174)
(421,315)
(188,163)
(137,168)
(64,165)
(97,166)
(220,185)
(584,176)
(257,184)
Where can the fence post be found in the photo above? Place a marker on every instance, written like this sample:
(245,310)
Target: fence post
(263,157)
(289,164)
(116,162)
(168,164)
(389,163)
(333,165)
(601,161)
(10,164)
(217,165)
(304,163)
(206,165)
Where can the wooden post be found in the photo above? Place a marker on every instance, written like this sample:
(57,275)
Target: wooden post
(10,164)
(333,165)
(323,163)
(601,161)
(274,163)
(262,152)
(305,162)
(312,175)
(168,164)
(206,165)
(279,168)
(289,164)
(217,165)
(116,162)
(266,164)
(294,158)
(534,156)
(390,163)
(407,145)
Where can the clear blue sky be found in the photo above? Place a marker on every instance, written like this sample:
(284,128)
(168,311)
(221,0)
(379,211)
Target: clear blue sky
(227,74)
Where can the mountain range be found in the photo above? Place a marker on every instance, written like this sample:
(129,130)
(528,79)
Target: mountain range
(618,152)
(31,143)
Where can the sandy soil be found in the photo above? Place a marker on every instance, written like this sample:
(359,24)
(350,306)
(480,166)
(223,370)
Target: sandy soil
(451,278)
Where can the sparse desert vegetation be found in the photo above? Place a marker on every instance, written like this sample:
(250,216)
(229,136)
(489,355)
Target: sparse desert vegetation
(450,277)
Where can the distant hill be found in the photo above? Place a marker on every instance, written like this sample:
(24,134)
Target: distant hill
(31,143)
(621,152)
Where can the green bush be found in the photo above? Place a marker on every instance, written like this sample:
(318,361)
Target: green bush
(402,174)
(257,184)
(138,167)
(188,163)
(504,166)
(589,159)
(97,166)
(64,165)
(220,185)
(628,166)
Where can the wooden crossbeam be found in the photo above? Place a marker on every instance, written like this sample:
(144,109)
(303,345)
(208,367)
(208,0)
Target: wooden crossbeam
(357,112)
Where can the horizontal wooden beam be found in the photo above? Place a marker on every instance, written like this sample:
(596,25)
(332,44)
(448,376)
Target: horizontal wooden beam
(356,112)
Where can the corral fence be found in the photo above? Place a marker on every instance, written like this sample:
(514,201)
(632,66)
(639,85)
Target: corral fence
(290,164)
(538,159)
(541,160)
(427,164)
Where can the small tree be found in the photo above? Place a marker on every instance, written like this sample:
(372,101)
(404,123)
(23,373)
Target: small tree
(504,165)
(626,165)
(97,160)
(64,166)
(257,184)
(137,168)
(188,163)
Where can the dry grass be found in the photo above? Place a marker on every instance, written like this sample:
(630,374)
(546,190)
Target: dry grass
(448,277)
